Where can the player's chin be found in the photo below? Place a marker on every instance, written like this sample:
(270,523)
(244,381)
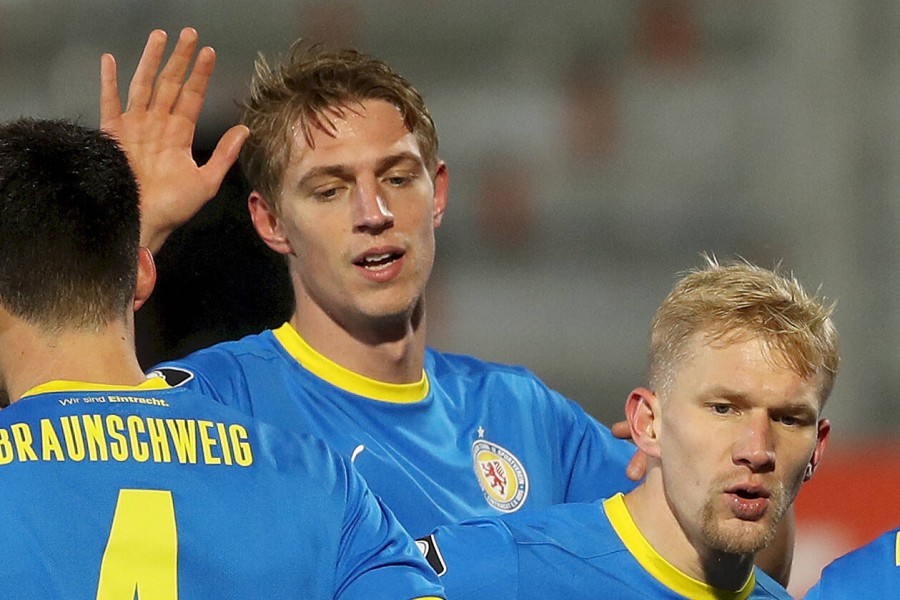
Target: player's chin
(743,537)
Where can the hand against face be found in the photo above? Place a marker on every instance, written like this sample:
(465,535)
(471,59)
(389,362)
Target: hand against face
(157,130)
(637,467)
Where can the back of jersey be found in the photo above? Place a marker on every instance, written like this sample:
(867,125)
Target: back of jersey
(117,494)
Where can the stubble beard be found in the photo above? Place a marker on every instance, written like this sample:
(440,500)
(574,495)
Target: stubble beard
(734,536)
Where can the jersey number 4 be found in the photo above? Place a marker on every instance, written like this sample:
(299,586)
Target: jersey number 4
(141,556)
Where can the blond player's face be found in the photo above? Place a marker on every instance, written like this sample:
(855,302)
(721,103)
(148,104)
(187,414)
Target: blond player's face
(737,433)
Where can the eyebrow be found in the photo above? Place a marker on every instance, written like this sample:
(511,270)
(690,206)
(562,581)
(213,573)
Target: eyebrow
(345,172)
(738,397)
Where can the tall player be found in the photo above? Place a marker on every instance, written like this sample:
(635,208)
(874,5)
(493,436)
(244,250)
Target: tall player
(115,485)
(741,362)
(348,186)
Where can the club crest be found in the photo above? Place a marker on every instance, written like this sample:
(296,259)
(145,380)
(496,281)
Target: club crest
(500,474)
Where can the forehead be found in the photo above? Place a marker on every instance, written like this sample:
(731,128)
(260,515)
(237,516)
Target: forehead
(745,367)
(358,134)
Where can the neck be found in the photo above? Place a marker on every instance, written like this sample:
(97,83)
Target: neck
(30,356)
(653,516)
(390,351)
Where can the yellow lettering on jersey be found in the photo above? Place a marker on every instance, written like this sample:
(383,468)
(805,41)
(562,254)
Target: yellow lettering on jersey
(139,450)
(208,443)
(74,440)
(158,441)
(243,452)
(141,556)
(95,437)
(51,447)
(23,438)
(226,447)
(184,436)
(115,428)
(6,451)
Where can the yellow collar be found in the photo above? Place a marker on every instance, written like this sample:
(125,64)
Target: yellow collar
(151,383)
(346,379)
(661,569)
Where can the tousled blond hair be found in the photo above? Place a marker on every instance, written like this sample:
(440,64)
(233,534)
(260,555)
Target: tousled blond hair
(306,90)
(734,300)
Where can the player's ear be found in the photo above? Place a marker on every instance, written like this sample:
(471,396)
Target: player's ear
(822,432)
(268,224)
(146,277)
(642,413)
(441,188)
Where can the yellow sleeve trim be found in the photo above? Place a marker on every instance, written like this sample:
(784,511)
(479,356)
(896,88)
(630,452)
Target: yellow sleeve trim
(151,383)
(346,379)
(897,549)
(661,569)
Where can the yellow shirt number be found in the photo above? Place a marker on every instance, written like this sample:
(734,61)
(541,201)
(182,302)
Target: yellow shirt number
(142,550)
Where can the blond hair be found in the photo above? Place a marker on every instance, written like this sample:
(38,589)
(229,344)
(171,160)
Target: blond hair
(729,301)
(310,84)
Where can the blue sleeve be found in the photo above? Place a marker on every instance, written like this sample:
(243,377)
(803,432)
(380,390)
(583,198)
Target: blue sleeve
(377,559)
(478,558)
(870,572)
(594,459)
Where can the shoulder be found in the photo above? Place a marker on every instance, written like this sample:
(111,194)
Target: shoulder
(581,529)
(460,372)
(464,365)
(871,568)
(260,346)
(208,368)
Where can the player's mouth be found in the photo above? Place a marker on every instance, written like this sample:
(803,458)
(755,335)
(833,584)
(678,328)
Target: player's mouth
(747,501)
(378,262)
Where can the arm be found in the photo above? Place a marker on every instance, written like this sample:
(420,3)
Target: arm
(157,130)
(377,558)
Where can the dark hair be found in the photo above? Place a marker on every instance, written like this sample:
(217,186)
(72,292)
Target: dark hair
(69,224)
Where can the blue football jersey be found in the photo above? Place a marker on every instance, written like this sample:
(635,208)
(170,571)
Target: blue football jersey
(471,438)
(117,493)
(870,572)
(573,551)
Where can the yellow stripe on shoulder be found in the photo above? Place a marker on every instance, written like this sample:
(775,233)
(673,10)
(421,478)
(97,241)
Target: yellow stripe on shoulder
(344,378)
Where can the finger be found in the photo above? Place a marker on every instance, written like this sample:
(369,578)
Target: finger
(621,430)
(194,91)
(141,89)
(110,103)
(170,80)
(223,156)
(637,467)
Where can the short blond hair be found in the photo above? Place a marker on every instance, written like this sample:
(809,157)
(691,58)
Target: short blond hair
(309,83)
(735,299)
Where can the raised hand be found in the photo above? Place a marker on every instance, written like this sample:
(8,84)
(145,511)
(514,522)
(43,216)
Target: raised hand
(157,130)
